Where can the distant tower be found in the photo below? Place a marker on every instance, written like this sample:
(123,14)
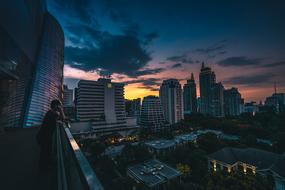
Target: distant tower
(275,88)
(170,94)
(152,117)
(190,96)
(217,97)
(207,80)
(67,96)
(233,101)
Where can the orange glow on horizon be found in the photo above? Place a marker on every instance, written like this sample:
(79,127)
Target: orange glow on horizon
(133,91)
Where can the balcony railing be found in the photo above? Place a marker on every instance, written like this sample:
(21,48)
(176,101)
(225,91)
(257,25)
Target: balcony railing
(73,169)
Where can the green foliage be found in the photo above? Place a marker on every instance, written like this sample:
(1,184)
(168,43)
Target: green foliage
(249,140)
(191,156)
(183,168)
(132,154)
(96,148)
(209,142)
(266,125)
(237,181)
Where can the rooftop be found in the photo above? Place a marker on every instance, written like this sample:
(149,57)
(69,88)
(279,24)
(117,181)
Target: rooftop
(260,158)
(152,173)
(160,144)
(186,137)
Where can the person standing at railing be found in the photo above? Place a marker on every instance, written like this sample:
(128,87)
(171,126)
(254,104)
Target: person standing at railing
(45,134)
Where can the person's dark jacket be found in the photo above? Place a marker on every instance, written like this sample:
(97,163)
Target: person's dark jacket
(48,127)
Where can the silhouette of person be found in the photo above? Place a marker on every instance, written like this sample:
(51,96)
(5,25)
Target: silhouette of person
(45,134)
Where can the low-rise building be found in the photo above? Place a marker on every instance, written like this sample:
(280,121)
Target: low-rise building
(186,138)
(250,160)
(160,146)
(152,174)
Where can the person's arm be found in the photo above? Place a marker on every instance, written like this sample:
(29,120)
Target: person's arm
(61,114)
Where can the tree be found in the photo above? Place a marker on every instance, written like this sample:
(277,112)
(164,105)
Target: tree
(209,142)
(184,169)
(96,148)
(237,181)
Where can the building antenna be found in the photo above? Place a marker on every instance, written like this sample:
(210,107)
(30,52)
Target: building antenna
(275,88)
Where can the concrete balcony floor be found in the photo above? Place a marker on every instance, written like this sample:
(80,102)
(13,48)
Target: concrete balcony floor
(19,157)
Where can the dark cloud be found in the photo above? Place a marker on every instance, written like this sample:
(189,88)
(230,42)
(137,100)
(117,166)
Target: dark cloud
(240,61)
(146,82)
(217,47)
(132,29)
(250,80)
(275,64)
(177,65)
(76,8)
(119,16)
(114,53)
(150,37)
(149,71)
(180,58)
(214,50)
(93,49)
(151,88)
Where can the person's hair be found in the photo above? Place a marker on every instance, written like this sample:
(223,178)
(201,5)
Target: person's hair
(55,103)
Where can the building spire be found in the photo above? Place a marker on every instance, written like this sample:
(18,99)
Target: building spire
(192,76)
(275,87)
(203,65)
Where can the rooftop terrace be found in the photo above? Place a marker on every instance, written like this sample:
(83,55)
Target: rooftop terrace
(152,173)
(160,144)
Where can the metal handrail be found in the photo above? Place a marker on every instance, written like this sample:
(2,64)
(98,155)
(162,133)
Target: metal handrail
(61,176)
(87,176)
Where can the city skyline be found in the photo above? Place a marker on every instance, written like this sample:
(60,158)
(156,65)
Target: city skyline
(137,43)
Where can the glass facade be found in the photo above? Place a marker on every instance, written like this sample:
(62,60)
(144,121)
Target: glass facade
(48,75)
(31,43)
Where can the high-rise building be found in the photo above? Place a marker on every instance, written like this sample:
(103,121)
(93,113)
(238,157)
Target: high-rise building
(207,80)
(133,108)
(190,96)
(276,101)
(102,103)
(68,104)
(75,102)
(152,117)
(217,104)
(67,96)
(170,94)
(31,62)
(232,102)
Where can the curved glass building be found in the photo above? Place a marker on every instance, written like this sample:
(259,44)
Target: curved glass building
(48,75)
(152,117)
(31,62)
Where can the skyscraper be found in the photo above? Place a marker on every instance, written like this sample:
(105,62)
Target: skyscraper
(133,108)
(276,101)
(170,94)
(190,96)
(207,80)
(233,101)
(152,117)
(217,98)
(67,96)
(102,103)
(31,62)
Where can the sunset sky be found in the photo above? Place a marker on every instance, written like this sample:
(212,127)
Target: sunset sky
(144,42)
